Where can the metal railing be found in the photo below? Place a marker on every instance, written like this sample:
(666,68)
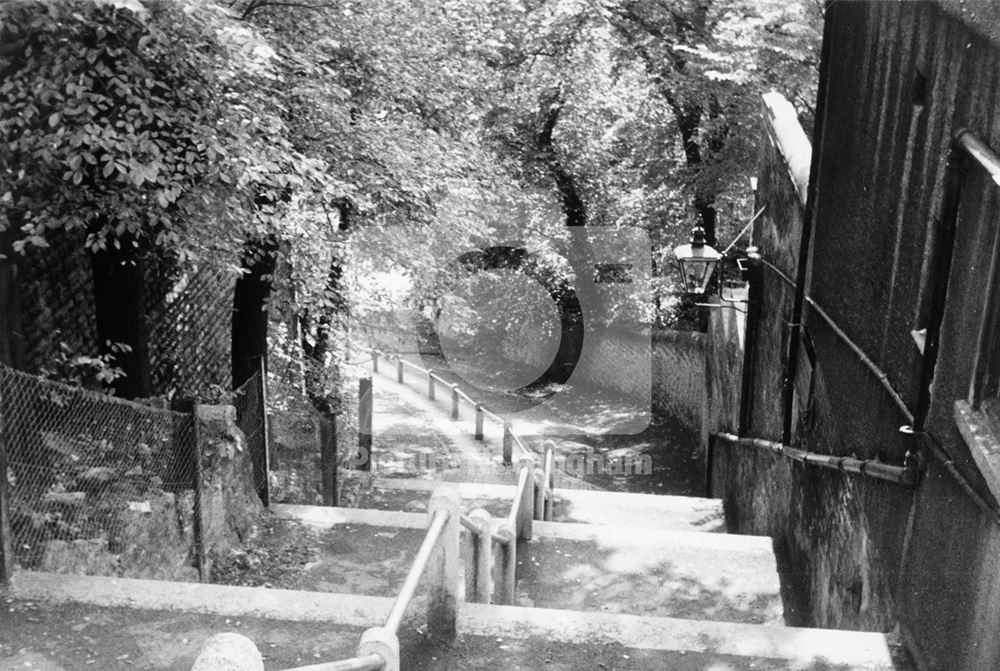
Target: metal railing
(533,495)
(908,474)
(379,646)
(485,538)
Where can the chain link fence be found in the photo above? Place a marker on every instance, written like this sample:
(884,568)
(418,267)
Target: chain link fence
(98,485)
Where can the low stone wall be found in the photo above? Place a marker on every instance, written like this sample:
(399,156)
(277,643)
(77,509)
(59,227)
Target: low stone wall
(153,537)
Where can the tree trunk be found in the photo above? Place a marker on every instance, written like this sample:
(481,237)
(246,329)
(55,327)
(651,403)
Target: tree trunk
(119,293)
(11,337)
(572,202)
(250,313)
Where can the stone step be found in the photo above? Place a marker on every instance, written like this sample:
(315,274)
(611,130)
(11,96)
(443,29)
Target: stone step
(681,513)
(614,569)
(650,572)
(489,636)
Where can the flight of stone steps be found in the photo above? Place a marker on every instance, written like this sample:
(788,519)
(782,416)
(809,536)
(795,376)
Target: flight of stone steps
(614,580)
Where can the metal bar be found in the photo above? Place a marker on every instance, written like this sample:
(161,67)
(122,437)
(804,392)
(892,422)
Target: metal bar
(508,568)
(866,467)
(200,554)
(515,507)
(468,399)
(871,365)
(265,429)
(980,152)
(409,587)
(468,524)
(883,378)
(372,662)
(6,545)
(481,556)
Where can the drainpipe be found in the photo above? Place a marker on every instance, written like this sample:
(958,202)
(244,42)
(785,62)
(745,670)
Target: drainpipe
(808,215)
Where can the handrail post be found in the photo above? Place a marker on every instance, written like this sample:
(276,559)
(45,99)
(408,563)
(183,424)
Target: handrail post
(442,611)
(539,503)
(399,371)
(454,401)
(374,361)
(549,477)
(508,548)
(430,384)
(508,444)
(382,642)
(482,556)
(525,509)
(479,422)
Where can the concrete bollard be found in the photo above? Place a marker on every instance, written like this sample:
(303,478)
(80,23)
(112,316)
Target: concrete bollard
(445,571)
(479,422)
(228,652)
(525,511)
(383,643)
(508,444)
(508,565)
(482,556)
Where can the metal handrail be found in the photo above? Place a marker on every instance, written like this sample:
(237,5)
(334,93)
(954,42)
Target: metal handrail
(908,474)
(432,376)
(409,587)
(515,508)
(372,662)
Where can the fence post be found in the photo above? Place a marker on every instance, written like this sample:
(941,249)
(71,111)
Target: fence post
(430,385)
(200,555)
(479,422)
(265,490)
(442,611)
(6,545)
(374,362)
(539,495)
(525,511)
(508,444)
(508,568)
(328,459)
(454,401)
(399,371)
(365,403)
(482,555)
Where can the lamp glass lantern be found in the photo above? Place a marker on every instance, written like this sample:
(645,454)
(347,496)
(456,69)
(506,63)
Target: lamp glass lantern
(697,262)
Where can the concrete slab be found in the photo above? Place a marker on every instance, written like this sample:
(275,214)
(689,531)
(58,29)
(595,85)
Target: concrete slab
(650,572)
(503,635)
(681,513)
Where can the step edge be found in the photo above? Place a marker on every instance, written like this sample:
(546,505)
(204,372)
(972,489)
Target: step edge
(566,626)
(572,531)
